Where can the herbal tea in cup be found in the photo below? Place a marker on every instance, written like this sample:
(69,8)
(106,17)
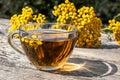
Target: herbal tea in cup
(47,45)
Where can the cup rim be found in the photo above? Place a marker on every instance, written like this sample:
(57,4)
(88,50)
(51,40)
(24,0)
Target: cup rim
(74,30)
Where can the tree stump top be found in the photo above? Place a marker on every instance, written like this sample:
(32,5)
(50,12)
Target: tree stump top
(101,63)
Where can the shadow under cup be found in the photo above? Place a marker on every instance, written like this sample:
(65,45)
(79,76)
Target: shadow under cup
(48,45)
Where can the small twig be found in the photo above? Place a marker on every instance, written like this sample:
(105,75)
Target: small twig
(108,32)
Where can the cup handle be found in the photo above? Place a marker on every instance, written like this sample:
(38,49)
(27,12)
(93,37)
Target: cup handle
(12,43)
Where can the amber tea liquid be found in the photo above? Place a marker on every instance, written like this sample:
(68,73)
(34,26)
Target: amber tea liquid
(54,50)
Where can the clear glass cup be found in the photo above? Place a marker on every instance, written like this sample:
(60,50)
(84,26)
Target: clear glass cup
(47,45)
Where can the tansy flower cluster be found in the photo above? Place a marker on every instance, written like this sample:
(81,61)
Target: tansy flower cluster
(34,41)
(85,19)
(25,17)
(115,27)
(65,12)
(89,26)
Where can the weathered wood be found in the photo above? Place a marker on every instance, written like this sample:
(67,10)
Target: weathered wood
(95,64)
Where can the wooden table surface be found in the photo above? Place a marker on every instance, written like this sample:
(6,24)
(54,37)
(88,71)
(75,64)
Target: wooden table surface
(101,63)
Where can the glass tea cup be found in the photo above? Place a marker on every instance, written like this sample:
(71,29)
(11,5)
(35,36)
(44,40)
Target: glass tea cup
(47,45)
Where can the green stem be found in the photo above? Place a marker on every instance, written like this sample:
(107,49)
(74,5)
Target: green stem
(118,15)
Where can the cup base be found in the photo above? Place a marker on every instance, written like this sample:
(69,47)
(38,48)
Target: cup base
(48,69)
(66,67)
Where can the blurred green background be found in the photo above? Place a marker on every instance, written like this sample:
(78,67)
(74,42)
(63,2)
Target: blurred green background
(105,9)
